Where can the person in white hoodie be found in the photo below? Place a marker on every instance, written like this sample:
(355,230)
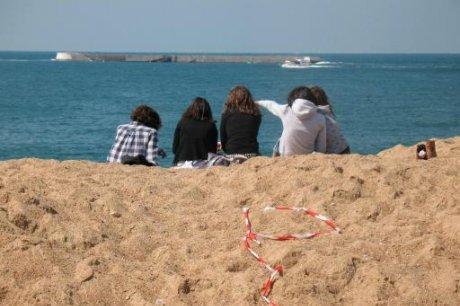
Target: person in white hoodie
(304,128)
(335,141)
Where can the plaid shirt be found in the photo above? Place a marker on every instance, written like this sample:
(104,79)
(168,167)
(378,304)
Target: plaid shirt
(135,139)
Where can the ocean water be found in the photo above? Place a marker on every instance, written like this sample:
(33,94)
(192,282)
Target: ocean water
(70,110)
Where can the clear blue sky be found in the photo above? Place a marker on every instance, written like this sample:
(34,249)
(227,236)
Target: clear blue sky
(316,26)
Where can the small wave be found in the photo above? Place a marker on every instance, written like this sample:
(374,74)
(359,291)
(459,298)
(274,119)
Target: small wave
(316,66)
(295,67)
(322,66)
(325,65)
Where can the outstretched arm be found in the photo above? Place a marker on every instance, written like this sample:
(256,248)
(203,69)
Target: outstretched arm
(273,107)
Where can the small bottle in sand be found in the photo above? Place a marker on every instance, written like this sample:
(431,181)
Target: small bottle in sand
(431,149)
(421,152)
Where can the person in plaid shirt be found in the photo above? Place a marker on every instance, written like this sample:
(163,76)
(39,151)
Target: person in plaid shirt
(136,142)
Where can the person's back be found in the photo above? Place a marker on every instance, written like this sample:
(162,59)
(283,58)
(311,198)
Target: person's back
(136,142)
(194,139)
(240,123)
(196,133)
(335,141)
(239,133)
(304,128)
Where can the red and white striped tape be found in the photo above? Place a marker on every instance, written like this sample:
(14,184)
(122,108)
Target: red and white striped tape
(277,270)
(306,211)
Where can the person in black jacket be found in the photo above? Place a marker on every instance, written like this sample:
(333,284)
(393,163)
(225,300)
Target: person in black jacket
(240,123)
(196,133)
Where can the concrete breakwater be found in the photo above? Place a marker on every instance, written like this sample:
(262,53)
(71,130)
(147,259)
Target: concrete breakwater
(182,58)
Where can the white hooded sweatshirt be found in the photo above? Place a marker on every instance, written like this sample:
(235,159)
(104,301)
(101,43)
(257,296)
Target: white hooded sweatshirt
(304,128)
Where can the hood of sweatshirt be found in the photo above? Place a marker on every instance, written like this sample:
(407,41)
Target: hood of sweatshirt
(325,109)
(304,109)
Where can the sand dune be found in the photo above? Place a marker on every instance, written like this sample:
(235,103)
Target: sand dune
(77,232)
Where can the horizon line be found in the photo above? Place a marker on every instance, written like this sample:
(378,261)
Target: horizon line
(232,52)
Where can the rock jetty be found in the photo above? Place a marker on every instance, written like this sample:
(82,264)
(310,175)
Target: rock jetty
(179,58)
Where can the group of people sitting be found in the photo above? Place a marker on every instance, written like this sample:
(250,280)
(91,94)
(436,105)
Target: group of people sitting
(309,125)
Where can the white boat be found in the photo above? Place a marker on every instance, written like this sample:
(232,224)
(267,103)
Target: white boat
(300,63)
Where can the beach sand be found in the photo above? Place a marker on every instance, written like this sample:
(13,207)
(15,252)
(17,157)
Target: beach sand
(78,232)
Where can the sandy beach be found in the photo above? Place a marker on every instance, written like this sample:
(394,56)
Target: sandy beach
(78,232)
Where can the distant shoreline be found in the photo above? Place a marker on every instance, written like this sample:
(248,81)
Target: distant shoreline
(179,58)
(237,53)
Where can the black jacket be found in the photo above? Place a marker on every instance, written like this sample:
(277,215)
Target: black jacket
(238,133)
(193,139)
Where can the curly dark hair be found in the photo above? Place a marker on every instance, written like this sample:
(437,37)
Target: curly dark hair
(199,109)
(147,116)
(240,100)
(300,92)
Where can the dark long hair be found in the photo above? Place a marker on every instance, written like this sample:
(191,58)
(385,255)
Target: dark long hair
(147,116)
(300,92)
(321,98)
(240,100)
(199,109)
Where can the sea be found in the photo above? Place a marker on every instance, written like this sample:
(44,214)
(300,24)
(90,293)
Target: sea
(70,110)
